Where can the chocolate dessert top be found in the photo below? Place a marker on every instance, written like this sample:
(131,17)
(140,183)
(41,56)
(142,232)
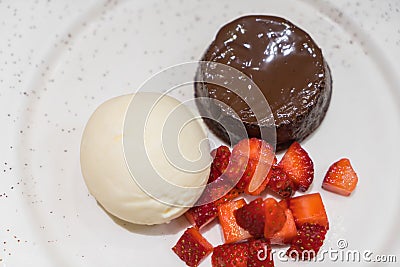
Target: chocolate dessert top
(282,60)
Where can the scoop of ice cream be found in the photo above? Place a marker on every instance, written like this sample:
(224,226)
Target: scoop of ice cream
(133,170)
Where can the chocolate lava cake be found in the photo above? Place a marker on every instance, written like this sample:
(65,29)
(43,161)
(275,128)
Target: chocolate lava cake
(286,65)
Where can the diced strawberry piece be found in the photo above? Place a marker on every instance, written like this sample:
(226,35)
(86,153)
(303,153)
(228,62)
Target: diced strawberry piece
(239,170)
(305,246)
(203,214)
(230,255)
(248,148)
(260,178)
(214,175)
(308,209)
(231,195)
(205,210)
(264,184)
(280,183)
(220,162)
(288,231)
(244,158)
(200,216)
(192,247)
(340,178)
(252,253)
(251,160)
(298,165)
(275,217)
(284,203)
(252,217)
(260,254)
(259,189)
(216,191)
(231,230)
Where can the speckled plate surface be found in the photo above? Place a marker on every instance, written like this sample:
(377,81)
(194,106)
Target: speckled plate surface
(60,59)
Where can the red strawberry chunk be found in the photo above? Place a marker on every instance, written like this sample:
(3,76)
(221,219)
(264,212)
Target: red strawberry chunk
(230,255)
(305,246)
(200,216)
(251,160)
(214,192)
(214,174)
(340,178)
(192,247)
(260,177)
(284,203)
(260,189)
(231,195)
(248,148)
(298,165)
(240,169)
(220,162)
(308,209)
(288,231)
(252,217)
(231,230)
(275,217)
(205,210)
(280,183)
(260,254)
(252,253)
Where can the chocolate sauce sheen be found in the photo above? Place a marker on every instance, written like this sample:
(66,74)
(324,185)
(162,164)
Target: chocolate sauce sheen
(287,66)
(279,57)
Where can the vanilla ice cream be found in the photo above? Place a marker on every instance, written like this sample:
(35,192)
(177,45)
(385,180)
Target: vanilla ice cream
(144,174)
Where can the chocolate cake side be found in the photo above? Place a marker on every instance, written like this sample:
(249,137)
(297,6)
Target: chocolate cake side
(306,123)
(287,66)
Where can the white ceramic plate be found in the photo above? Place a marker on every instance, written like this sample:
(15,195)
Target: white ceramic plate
(59,61)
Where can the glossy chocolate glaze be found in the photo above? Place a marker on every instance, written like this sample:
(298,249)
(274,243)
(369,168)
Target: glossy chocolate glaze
(287,66)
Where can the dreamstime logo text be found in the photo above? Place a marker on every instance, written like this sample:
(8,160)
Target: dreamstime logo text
(341,253)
